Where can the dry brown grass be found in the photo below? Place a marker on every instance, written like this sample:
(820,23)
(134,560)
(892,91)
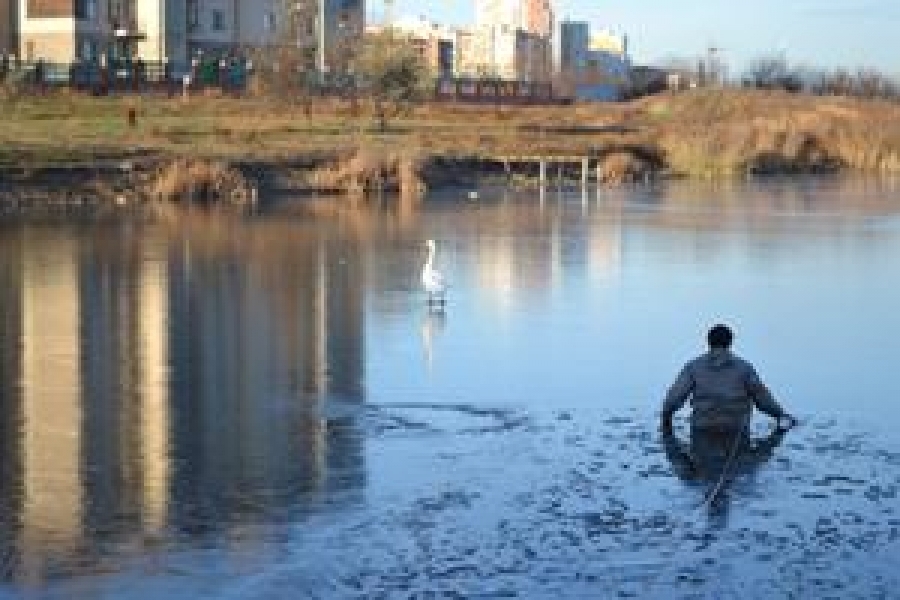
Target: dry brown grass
(704,133)
(201,183)
(371,170)
(730,132)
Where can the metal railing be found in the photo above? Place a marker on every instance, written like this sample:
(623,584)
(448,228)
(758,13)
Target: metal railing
(495,91)
(127,76)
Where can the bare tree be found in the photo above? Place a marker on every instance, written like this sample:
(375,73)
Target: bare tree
(286,66)
(773,73)
(393,74)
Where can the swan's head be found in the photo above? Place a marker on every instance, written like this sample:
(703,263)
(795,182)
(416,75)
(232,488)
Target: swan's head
(430,244)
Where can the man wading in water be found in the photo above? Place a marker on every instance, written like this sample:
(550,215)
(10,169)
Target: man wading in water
(723,390)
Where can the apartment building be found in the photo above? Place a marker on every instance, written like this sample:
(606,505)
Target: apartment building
(98,30)
(592,65)
(502,52)
(538,17)
(173,30)
(574,41)
(432,41)
(514,38)
(9,27)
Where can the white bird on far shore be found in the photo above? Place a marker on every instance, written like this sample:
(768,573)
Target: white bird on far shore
(432,279)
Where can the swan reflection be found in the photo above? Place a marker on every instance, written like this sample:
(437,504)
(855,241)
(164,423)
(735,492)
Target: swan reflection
(432,325)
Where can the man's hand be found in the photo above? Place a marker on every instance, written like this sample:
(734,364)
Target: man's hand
(785,422)
(665,426)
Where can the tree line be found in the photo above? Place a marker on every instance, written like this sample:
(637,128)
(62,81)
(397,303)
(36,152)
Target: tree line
(776,73)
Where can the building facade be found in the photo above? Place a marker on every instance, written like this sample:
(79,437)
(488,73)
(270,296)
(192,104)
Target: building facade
(574,41)
(514,39)
(538,18)
(433,42)
(9,27)
(171,30)
(592,66)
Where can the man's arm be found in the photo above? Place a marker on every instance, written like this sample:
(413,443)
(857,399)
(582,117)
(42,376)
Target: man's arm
(678,454)
(676,397)
(763,398)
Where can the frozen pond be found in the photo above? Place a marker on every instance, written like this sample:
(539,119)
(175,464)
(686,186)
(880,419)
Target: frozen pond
(268,409)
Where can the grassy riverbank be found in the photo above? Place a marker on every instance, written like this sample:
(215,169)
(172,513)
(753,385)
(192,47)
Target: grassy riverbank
(705,133)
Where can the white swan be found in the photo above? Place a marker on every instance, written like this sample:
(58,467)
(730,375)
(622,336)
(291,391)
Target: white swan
(432,279)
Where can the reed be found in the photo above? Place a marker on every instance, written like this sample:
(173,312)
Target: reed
(200,182)
(369,171)
(700,133)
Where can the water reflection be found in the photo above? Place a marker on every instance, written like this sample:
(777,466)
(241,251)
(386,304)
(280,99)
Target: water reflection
(713,460)
(168,390)
(154,388)
(433,324)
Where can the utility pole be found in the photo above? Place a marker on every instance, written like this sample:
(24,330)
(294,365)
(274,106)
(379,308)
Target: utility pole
(320,47)
(389,13)
(713,71)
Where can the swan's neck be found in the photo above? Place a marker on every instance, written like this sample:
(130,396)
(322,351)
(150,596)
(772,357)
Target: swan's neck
(429,264)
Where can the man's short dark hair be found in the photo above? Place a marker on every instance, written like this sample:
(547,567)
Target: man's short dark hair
(719,336)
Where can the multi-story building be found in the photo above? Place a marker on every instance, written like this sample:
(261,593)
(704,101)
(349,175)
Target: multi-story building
(503,52)
(9,27)
(607,58)
(592,66)
(95,30)
(515,38)
(468,60)
(574,41)
(173,30)
(433,42)
(538,17)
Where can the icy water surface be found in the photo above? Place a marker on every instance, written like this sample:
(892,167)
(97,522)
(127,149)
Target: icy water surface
(268,408)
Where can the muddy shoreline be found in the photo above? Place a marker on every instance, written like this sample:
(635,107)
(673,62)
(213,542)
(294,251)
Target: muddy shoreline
(111,185)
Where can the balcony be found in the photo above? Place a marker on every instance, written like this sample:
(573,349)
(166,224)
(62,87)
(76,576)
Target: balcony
(127,29)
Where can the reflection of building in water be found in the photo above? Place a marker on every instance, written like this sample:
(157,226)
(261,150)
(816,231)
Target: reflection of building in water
(518,255)
(604,248)
(10,408)
(83,422)
(51,403)
(125,422)
(545,250)
(153,369)
(255,344)
(142,390)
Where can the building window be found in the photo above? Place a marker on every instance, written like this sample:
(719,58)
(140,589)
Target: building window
(269,22)
(193,15)
(89,50)
(116,12)
(218,20)
(86,10)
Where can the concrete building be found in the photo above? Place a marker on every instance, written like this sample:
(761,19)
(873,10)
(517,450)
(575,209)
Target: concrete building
(514,38)
(92,30)
(533,16)
(574,40)
(9,27)
(538,17)
(434,43)
(489,52)
(468,59)
(595,67)
(174,30)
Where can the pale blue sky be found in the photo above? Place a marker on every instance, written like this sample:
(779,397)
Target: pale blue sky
(819,33)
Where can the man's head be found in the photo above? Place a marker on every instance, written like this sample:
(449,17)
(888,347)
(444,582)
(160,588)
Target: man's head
(719,336)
